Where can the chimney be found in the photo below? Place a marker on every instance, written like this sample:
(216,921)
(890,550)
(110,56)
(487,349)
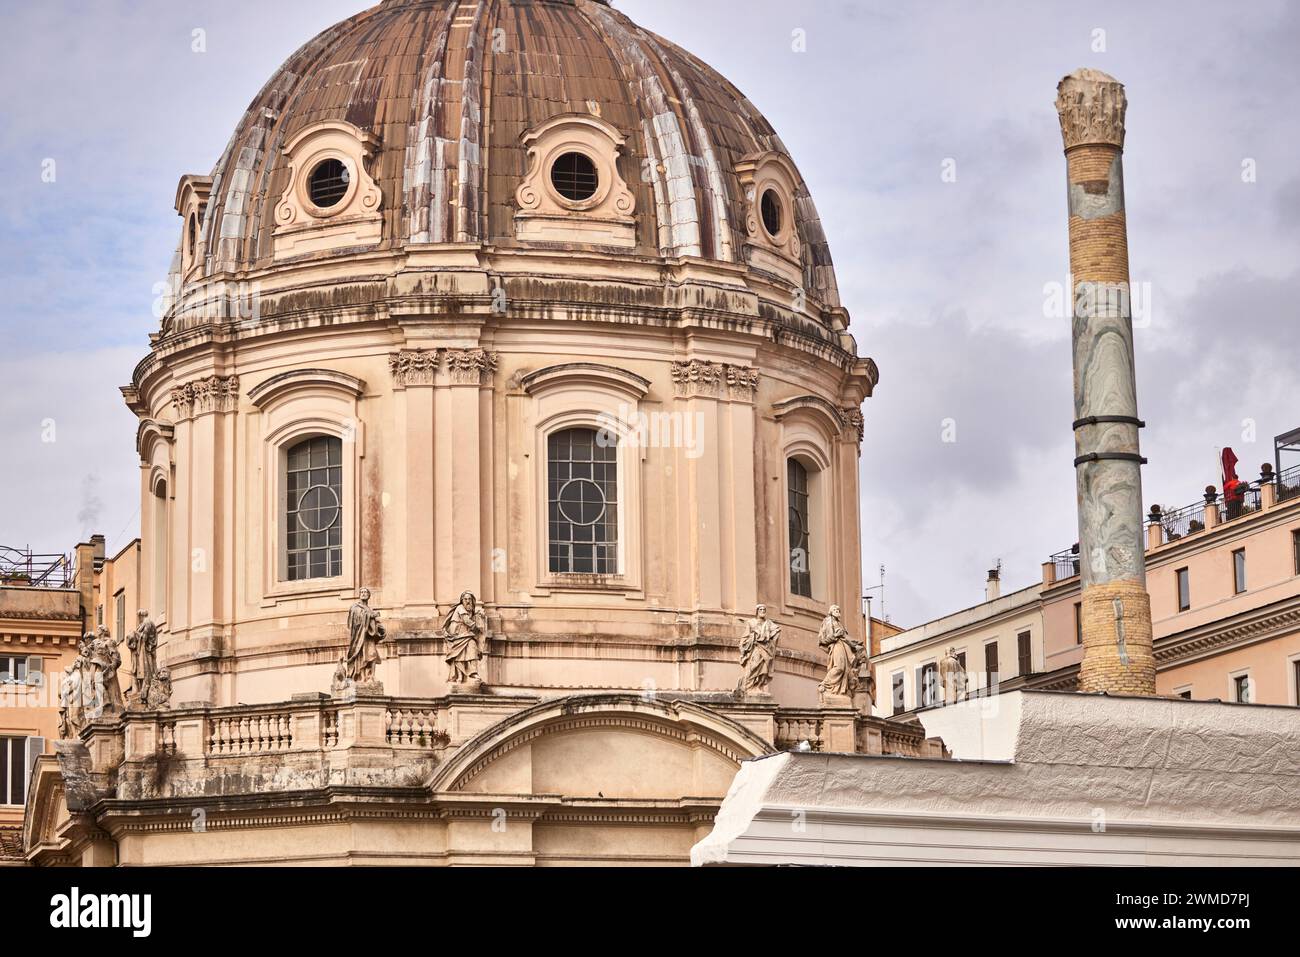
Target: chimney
(993,587)
(1116,615)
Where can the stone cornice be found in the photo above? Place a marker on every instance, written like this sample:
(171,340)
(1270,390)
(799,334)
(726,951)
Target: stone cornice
(1245,628)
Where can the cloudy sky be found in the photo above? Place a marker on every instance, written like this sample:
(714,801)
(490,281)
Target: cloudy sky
(945,278)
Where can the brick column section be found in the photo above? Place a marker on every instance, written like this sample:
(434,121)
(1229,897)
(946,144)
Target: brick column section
(1117,655)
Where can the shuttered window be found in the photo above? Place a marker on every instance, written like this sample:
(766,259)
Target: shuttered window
(991,665)
(1025,653)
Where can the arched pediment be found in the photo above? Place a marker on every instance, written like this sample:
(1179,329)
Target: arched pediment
(149,435)
(307,382)
(811,407)
(669,728)
(590,374)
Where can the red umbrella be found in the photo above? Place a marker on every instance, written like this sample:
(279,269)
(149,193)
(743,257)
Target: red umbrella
(1233,488)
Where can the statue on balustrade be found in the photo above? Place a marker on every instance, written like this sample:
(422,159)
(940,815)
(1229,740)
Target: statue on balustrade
(143,645)
(844,658)
(758,653)
(72,691)
(952,677)
(101,651)
(160,691)
(365,632)
(466,629)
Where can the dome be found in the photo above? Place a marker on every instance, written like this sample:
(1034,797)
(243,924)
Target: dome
(445,95)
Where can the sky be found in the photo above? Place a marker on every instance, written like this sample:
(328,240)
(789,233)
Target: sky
(927,134)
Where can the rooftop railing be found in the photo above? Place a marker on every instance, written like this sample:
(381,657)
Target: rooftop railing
(22,566)
(1066,562)
(1288,484)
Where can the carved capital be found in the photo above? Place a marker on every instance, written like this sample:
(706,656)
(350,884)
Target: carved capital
(854,425)
(414,366)
(212,394)
(1091,107)
(717,379)
(471,366)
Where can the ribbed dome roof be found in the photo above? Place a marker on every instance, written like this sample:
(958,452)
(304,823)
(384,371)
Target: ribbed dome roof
(449,88)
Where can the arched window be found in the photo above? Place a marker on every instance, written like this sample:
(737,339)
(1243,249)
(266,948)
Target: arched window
(582,493)
(158,590)
(800,567)
(314,509)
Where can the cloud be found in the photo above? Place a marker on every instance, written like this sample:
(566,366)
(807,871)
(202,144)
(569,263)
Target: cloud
(944,279)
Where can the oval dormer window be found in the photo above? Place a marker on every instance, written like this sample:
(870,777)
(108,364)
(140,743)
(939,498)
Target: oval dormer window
(328,183)
(574,177)
(773,215)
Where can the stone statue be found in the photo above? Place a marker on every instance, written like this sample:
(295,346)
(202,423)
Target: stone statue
(952,677)
(758,653)
(365,632)
(72,707)
(143,643)
(466,630)
(104,658)
(844,657)
(160,691)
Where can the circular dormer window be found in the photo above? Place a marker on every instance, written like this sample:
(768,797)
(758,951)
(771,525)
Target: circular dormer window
(574,177)
(328,183)
(773,213)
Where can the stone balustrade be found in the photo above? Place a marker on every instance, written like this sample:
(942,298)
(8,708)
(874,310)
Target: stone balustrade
(315,741)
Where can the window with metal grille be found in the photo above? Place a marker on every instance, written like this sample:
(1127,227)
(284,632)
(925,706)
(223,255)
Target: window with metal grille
(770,206)
(800,561)
(328,183)
(314,509)
(582,491)
(574,177)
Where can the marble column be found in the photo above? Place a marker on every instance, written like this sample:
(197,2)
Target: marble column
(1116,607)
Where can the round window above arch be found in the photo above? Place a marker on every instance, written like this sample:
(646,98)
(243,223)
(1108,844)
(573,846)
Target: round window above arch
(574,176)
(773,212)
(328,183)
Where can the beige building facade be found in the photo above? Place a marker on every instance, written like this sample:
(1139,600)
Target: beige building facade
(1225,605)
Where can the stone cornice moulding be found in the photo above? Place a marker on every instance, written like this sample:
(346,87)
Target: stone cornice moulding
(267,393)
(1091,107)
(214,393)
(1245,628)
(695,377)
(569,374)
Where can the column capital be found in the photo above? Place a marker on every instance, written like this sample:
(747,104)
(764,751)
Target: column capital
(1091,107)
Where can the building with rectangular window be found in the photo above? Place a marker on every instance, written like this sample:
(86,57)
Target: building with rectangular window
(43,606)
(999,642)
(1225,599)
(1225,604)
